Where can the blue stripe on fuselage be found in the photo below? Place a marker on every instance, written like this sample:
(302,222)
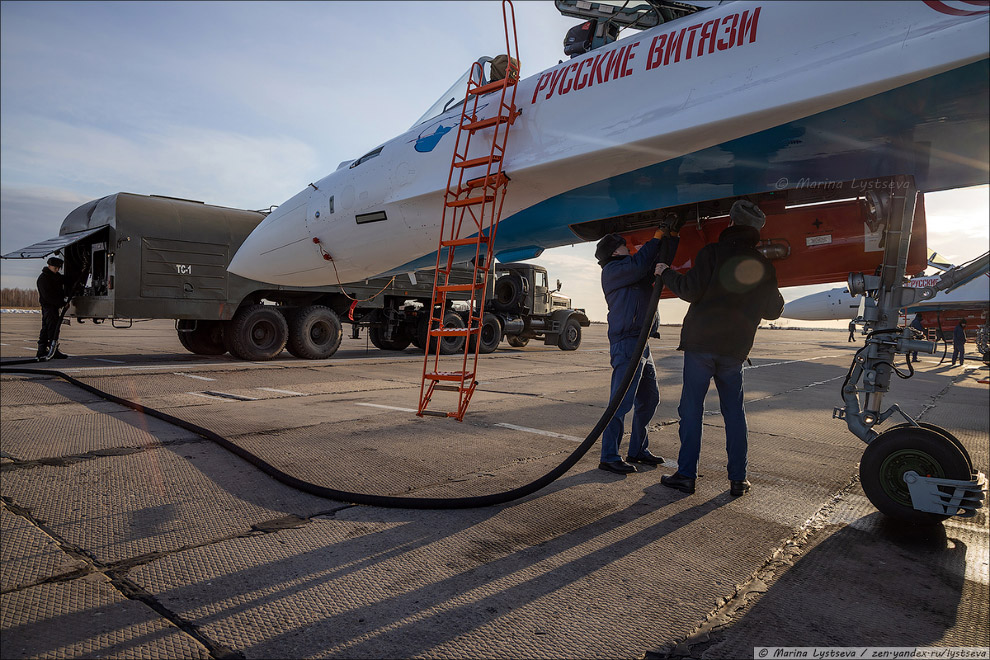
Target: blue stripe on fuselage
(903,131)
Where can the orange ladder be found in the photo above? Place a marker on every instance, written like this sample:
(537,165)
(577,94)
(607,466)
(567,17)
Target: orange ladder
(471,211)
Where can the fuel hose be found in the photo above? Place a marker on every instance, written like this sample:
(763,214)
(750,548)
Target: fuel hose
(389,501)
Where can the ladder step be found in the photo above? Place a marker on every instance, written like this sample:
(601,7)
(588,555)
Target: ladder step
(447,375)
(495,180)
(450,332)
(434,413)
(448,388)
(474,162)
(491,121)
(459,287)
(474,240)
(492,86)
(481,199)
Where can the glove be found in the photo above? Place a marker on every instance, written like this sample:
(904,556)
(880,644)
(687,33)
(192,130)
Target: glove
(669,226)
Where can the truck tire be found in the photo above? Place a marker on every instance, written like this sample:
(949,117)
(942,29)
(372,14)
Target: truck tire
(491,334)
(448,345)
(314,332)
(570,336)
(509,292)
(206,338)
(516,341)
(257,332)
(399,340)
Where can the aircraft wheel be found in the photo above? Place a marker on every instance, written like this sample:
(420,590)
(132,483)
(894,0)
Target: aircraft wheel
(398,342)
(314,332)
(491,334)
(898,451)
(516,341)
(257,332)
(570,336)
(206,338)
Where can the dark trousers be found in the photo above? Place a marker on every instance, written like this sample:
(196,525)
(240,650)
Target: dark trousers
(699,370)
(957,351)
(642,397)
(49,328)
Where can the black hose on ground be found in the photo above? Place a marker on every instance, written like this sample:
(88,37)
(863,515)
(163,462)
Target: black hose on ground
(390,501)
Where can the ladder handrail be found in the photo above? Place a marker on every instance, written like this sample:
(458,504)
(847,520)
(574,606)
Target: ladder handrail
(492,191)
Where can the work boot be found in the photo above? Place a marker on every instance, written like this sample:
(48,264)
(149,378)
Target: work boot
(59,355)
(42,350)
(619,467)
(737,488)
(646,458)
(679,482)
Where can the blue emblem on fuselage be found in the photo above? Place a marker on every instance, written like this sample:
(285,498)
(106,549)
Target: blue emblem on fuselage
(425,143)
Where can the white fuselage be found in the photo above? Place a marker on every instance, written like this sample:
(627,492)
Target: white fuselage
(693,84)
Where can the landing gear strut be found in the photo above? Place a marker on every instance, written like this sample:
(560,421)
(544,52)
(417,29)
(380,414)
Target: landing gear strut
(915,472)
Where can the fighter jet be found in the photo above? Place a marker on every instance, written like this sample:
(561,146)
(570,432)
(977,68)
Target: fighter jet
(803,107)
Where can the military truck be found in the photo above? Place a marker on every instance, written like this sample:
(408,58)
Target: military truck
(131,256)
(519,306)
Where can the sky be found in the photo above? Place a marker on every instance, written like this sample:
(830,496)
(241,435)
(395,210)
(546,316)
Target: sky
(241,104)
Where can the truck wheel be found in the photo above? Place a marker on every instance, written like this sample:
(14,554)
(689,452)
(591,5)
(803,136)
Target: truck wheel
(516,341)
(570,336)
(204,339)
(508,292)
(448,345)
(257,332)
(314,332)
(398,342)
(491,334)
(899,450)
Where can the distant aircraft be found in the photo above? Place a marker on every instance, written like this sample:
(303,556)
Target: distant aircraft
(970,300)
(788,104)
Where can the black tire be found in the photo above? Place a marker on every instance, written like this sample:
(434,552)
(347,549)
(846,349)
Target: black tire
(491,334)
(314,332)
(448,345)
(257,332)
(570,336)
(399,340)
(938,429)
(509,291)
(206,338)
(516,341)
(896,451)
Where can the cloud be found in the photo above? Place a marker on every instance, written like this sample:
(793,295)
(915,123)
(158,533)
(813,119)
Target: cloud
(213,166)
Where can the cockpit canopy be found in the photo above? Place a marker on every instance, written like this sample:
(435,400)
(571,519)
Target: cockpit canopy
(480,72)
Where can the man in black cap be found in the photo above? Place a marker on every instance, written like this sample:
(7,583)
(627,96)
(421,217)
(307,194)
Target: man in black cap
(51,292)
(627,281)
(730,287)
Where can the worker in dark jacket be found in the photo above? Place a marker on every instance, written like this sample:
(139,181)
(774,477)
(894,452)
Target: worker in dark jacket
(958,342)
(51,293)
(730,287)
(627,281)
(918,324)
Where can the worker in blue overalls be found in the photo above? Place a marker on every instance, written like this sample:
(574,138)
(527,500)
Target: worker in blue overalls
(627,281)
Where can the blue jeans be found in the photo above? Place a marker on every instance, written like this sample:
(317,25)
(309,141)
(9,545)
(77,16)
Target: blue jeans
(699,369)
(643,394)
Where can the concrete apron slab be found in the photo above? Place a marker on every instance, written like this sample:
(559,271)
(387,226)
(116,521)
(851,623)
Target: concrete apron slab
(595,565)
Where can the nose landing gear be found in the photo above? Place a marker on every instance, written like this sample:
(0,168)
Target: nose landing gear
(915,472)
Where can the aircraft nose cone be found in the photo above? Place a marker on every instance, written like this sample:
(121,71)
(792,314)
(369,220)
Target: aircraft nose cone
(280,250)
(808,308)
